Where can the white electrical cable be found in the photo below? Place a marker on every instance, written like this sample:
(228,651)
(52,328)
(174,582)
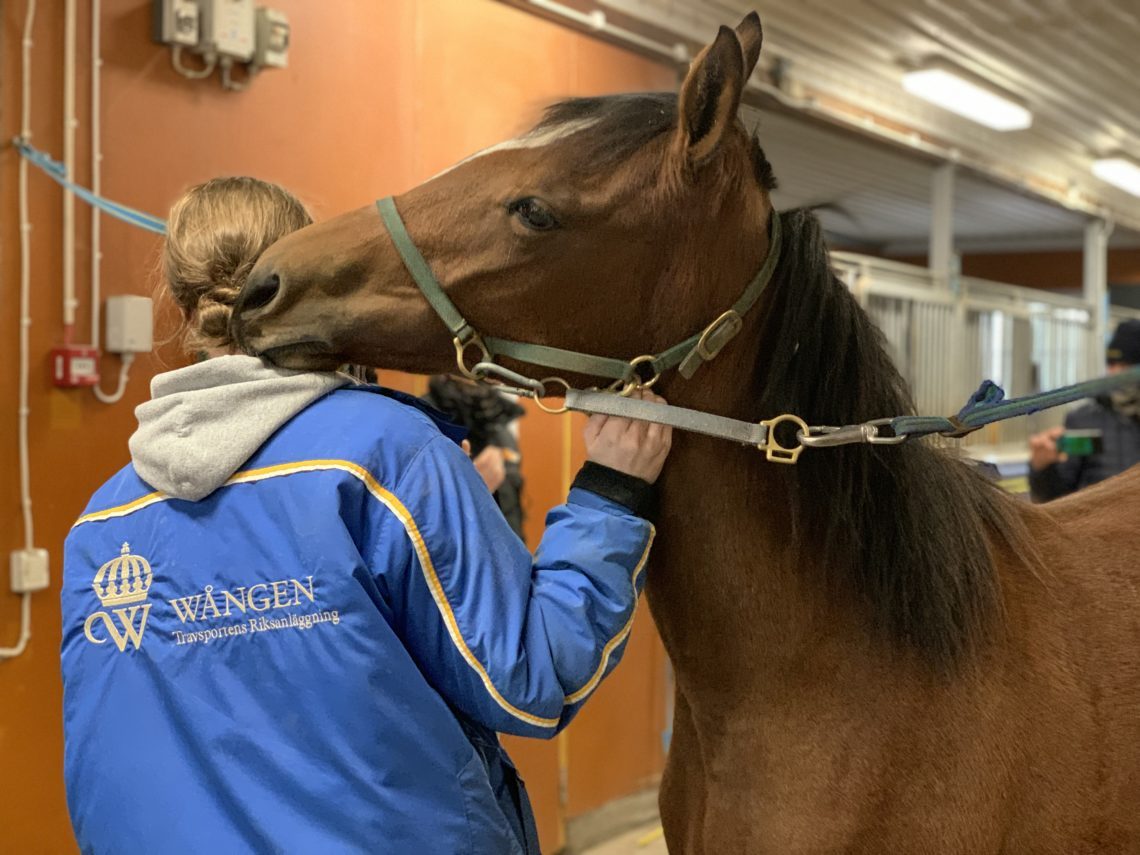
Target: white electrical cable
(96,167)
(97,189)
(25,630)
(25,327)
(26,282)
(228,82)
(117,395)
(70,123)
(193,74)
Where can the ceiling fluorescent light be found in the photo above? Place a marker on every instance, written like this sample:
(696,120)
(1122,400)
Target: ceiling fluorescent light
(958,91)
(1120,171)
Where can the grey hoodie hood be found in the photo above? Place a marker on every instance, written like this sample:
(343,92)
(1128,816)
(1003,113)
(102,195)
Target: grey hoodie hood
(203,422)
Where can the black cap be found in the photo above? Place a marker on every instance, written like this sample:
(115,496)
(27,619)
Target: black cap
(1125,344)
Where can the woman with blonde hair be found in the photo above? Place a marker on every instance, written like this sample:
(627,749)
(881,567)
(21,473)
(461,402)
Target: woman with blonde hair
(215,234)
(296,620)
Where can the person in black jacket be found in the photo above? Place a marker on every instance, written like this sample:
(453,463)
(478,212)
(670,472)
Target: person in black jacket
(1053,474)
(487,415)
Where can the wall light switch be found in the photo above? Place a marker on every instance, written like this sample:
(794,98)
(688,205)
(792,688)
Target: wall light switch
(29,570)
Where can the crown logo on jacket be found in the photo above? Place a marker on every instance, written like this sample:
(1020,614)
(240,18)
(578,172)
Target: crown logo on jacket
(123,580)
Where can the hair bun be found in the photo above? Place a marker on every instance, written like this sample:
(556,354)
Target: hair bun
(214,236)
(214,309)
(220,294)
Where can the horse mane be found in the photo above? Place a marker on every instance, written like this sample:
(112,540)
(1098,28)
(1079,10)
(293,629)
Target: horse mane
(908,529)
(616,127)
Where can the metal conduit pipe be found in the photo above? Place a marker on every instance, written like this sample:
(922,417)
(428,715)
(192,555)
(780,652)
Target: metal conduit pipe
(70,123)
(23,407)
(96,166)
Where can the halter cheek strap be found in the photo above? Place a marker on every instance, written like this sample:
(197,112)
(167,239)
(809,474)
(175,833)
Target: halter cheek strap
(688,355)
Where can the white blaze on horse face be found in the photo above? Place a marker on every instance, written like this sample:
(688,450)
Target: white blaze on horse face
(535,139)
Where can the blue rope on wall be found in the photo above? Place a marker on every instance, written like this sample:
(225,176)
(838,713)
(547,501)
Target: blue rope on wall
(58,173)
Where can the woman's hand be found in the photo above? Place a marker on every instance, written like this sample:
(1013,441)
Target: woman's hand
(491,464)
(634,447)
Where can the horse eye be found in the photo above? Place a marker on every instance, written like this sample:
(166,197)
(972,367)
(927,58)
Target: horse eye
(533,214)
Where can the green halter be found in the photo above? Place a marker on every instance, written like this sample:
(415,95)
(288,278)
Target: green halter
(688,356)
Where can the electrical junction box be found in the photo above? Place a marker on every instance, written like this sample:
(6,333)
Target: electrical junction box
(74,365)
(130,324)
(29,570)
(176,22)
(272,39)
(228,28)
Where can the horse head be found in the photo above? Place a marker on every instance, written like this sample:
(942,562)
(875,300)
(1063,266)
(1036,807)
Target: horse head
(614,227)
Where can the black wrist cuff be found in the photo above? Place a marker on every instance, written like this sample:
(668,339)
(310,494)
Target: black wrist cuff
(629,491)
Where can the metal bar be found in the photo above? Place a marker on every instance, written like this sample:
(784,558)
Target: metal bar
(867,263)
(1013,310)
(941,255)
(902,291)
(1096,289)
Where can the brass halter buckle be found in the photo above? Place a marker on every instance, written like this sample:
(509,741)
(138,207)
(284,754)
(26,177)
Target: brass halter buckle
(777,453)
(718,334)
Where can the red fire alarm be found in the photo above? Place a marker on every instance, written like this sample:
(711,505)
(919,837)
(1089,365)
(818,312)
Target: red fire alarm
(75,365)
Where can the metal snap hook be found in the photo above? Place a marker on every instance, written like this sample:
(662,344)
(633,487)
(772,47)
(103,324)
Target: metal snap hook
(504,378)
(461,352)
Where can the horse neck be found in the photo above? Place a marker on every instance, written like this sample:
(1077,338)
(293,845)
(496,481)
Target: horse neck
(727,583)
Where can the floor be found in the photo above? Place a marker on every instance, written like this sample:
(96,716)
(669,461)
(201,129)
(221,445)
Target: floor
(642,841)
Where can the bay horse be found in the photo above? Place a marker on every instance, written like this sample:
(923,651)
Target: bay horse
(876,650)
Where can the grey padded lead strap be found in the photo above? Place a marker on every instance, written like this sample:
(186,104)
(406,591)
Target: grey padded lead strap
(681,418)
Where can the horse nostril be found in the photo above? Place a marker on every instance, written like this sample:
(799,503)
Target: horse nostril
(261,293)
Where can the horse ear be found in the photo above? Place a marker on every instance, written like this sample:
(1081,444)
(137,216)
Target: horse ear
(710,97)
(751,35)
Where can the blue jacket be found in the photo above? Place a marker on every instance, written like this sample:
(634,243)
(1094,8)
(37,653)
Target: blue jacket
(313,658)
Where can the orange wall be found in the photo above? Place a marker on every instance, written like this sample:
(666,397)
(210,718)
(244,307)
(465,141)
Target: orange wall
(1050,269)
(378,96)
(1061,270)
